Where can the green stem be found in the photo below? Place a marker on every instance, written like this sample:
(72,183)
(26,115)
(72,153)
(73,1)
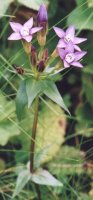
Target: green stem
(34,128)
(38,191)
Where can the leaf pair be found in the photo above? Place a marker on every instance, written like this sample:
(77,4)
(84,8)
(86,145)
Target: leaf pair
(30,88)
(41,177)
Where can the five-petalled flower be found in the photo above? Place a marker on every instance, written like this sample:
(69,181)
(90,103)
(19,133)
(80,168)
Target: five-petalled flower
(24,31)
(69,57)
(68,36)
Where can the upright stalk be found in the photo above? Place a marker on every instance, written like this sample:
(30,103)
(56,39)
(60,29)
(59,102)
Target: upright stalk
(33,138)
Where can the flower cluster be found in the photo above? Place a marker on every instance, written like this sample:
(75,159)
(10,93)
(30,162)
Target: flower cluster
(67,47)
(68,50)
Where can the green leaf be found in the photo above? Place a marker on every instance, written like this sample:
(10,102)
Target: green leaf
(85,196)
(43,177)
(90,3)
(87,80)
(33,88)
(22,180)
(81,2)
(7,131)
(84,120)
(68,161)
(52,93)
(81,17)
(41,156)
(4,6)
(21,100)
(33,4)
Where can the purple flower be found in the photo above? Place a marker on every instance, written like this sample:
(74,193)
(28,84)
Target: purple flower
(67,36)
(23,31)
(69,57)
(42,17)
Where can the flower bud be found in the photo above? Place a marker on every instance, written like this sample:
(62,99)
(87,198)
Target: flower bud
(41,66)
(42,20)
(54,53)
(33,56)
(26,46)
(45,54)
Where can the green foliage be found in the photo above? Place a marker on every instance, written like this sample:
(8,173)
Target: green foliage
(90,3)
(85,120)
(30,88)
(82,16)
(4,6)
(22,180)
(68,161)
(32,4)
(33,88)
(21,100)
(8,129)
(28,3)
(50,133)
(88,87)
(52,93)
(43,177)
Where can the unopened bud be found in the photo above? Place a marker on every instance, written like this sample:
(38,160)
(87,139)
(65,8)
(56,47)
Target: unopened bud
(45,54)
(33,56)
(42,20)
(26,46)
(41,66)
(59,65)
(54,53)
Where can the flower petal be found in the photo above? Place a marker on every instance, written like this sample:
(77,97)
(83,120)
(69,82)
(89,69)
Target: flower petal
(79,55)
(59,32)
(69,47)
(15,36)
(76,64)
(34,30)
(15,26)
(28,38)
(29,23)
(71,32)
(61,43)
(78,40)
(61,53)
(77,48)
(66,65)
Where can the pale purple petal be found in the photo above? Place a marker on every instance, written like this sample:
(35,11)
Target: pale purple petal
(34,30)
(71,32)
(61,43)
(78,40)
(76,64)
(79,55)
(69,47)
(28,38)
(15,26)
(77,48)
(59,32)
(15,36)
(29,23)
(66,65)
(61,53)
